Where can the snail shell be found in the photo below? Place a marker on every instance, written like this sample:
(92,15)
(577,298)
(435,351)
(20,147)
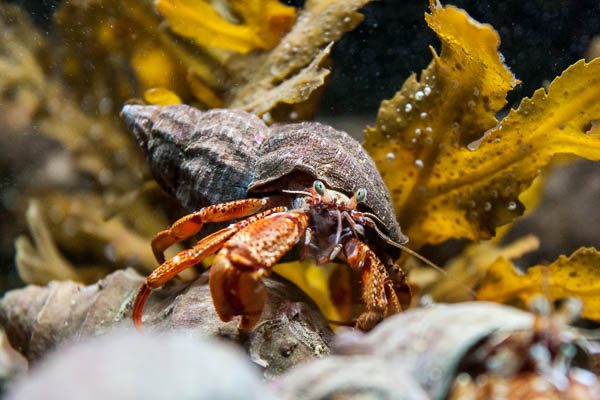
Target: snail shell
(324,153)
(199,157)
(220,155)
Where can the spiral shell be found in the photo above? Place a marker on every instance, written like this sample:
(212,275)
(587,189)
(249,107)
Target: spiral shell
(201,158)
(220,155)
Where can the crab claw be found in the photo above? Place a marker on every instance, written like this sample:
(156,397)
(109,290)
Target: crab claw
(236,290)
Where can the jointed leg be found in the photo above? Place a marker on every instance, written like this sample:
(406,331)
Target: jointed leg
(378,291)
(235,276)
(191,224)
(187,259)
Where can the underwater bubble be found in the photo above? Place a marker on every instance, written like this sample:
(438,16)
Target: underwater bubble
(428,129)
(419,95)
(419,164)
(512,206)
(429,140)
(293,115)
(427,90)
(423,115)
(407,107)
(267,118)
(471,104)
(497,140)
(390,156)
(475,91)
(414,140)
(346,19)
(487,206)
(455,126)
(418,131)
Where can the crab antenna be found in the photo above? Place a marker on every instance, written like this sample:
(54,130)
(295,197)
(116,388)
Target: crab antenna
(408,250)
(296,192)
(420,257)
(375,217)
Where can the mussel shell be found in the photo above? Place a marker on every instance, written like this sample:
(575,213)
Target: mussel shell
(329,155)
(200,157)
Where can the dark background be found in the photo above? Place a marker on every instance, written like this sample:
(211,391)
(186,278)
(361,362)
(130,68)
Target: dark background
(540,38)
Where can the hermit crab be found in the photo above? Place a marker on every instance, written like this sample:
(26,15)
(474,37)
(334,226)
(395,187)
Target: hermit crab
(304,183)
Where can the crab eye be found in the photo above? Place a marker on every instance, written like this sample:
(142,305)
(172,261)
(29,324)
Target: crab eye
(319,187)
(361,195)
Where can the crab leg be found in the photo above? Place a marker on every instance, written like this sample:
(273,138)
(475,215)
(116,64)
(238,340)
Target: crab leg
(235,276)
(379,294)
(191,224)
(188,258)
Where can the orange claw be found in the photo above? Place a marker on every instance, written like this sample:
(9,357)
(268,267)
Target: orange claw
(235,276)
(250,292)
(188,258)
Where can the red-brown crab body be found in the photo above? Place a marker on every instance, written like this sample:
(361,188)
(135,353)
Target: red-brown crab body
(325,222)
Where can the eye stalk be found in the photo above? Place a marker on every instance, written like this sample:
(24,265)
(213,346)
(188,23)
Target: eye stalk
(319,187)
(361,195)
